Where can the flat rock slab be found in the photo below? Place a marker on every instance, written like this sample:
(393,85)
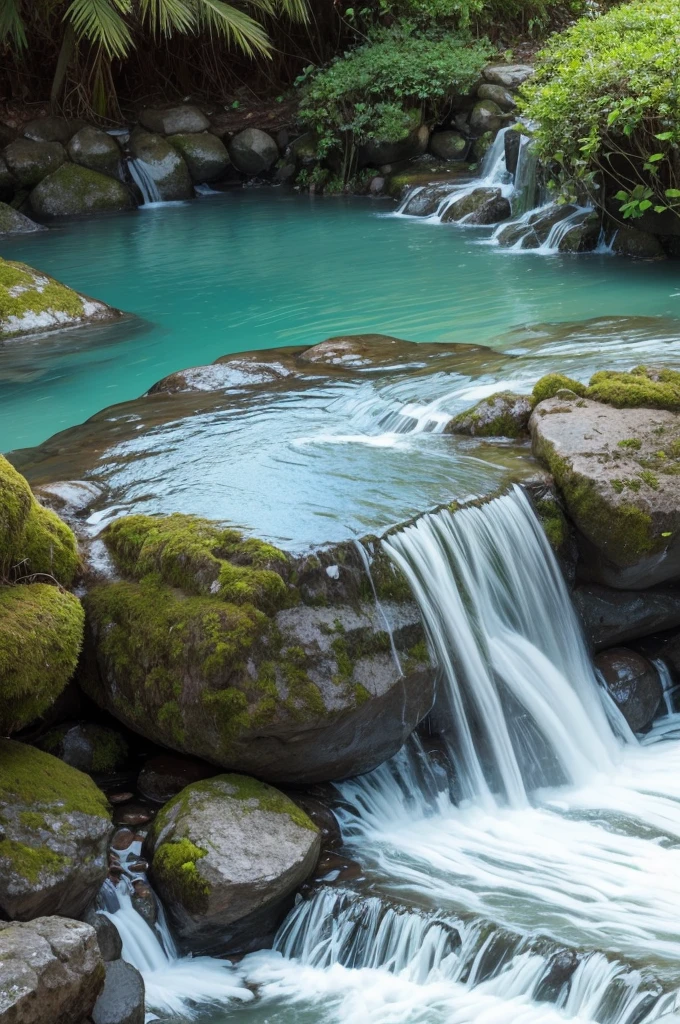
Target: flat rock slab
(619,473)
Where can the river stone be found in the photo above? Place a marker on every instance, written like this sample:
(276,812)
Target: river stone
(639,244)
(108,937)
(164,164)
(627,514)
(482,206)
(486,116)
(215,377)
(228,854)
(174,120)
(52,129)
(533,231)
(97,150)
(634,684)
(55,832)
(582,237)
(501,415)
(14,223)
(122,999)
(86,746)
(376,153)
(29,162)
(253,151)
(612,617)
(50,971)
(206,156)
(448,145)
(165,776)
(512,142)
(499,95)
(74,191)
(510,76)
(279,668)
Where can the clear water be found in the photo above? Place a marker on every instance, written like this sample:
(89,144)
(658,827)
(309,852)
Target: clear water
(258,268)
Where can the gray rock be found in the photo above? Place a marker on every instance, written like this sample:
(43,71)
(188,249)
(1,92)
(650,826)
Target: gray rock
(250,847)
(7,183)
(499,95)
(253,152)
(108,937)
(486,116)
(612,617)
(583,236)
(448,145)
(376,153)
(164,164)
(52,129)
(502,415)
(55,830)
(510,76)
(122,1000)
(165,776)
(74,191)
(639,244)
(29,162)
(534,231)
(50,971)
(205,155)
(97,150)
(634,684)
(14,223)
(627,516)
(86,746)
(512,141)
(174,120)
(482,206)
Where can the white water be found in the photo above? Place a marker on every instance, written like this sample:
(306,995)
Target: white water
(143,179)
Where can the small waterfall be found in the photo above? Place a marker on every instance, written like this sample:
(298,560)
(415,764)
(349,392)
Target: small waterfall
(520,705)
(525,196)
(141,175)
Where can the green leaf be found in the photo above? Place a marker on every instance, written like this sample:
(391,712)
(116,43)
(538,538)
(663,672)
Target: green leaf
(101,23)
(673,193)
(11,23)
(656,157)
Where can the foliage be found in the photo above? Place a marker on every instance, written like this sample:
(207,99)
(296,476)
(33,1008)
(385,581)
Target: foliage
(526,17)
(605,104)
(385,88)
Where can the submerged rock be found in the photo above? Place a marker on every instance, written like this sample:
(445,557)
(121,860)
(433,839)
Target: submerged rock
(634,684)
(615,616)
(14,223)
(481,206)
(54,836)
(244,665)
(205,155)
(74,191)
(97,151)
(164,165)
(174,120)
(29,162)
(50,971)
(122,999)
(502,415)
(253,151)
(228,854)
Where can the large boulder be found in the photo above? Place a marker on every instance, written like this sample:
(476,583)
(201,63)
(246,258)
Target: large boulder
(253,151)
(74,191)
(258,662)
(634,684)
(31,301)
(583,236)
(53,837)
(481,206)
(205,155)
(612,617)
(617,469)
(377,153)
(501,415)
(486,116)
(122,999)
(499,95)
(96,150)
(52,129)
(174,120)
(228,854)
(29,162)
(12,222)
(50,971)
(510,76)
(641,245)
(164,165)
(534,230)
(448,145)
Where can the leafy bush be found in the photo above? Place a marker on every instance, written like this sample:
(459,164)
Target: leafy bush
(531,17)
(605,101)
(386,87)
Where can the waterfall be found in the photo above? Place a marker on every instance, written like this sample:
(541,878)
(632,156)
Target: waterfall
(141,175)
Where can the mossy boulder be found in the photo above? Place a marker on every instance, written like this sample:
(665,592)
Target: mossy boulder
(553,383)
(378,152)
(52,129)
(31,302)
(88,747)
(74,191)
(214,645)
(205,155)
(481,206)
(486,116)
(54,833)
(253,152)
(618,470)
(449,145)
(501,415)
(29,162)
(641,245)
(14,223)
(96,150)
(163,164)
(228,854)
(174,120)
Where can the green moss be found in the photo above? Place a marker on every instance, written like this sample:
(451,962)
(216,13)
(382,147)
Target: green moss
(651,389)
(258,796)
(35,778)
(47,547)
(16,502)
(634,443)
(389,581)
(41,631)
(548,386)
(493,417)
(553,521)
(261,587)
(649,478)
(24,291)
(174,866)
(31,862)
(361,694)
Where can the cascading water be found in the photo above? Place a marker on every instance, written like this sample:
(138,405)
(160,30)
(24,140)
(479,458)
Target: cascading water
(143,179)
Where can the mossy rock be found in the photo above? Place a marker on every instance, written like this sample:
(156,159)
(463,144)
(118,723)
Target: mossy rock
(75,191)
(482,206)
(205,155)
(641,388)
(31,301)
(31,161)
(14,223)
(88,747)
(164,164)
(501,415)
(16,502)
(550,385)
(96,150)
(228,854)
(41,631)
(55,827)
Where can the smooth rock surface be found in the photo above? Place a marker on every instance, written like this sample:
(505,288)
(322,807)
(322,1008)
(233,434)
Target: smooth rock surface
(486,116)
(108,937)
(164,164)
(510,76)
(612,617)
(482,206)
(634,684)
(253,151)
(502,415)
(164,776)
(174,120)
(205,155)
(448,145)
(641,245)
(376,153)
(97,150)
(14,223)
(52,129)
(499,95)
(50,971)
(122,999)
(86,746)
(29,162)
(74,191)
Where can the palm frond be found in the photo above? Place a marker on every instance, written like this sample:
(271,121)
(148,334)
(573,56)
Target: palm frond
(11,24)
(167,16)
(236,27)
(101,23)
(296,10)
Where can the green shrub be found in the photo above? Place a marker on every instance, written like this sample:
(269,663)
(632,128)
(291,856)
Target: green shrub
(605,102)
(497,17)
